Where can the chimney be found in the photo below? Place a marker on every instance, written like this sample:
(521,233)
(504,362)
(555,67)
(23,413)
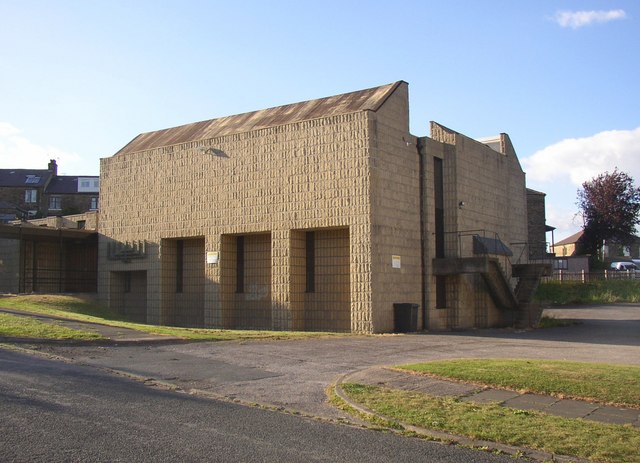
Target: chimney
(53,167)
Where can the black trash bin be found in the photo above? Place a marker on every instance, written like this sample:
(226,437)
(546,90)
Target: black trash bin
(405,317)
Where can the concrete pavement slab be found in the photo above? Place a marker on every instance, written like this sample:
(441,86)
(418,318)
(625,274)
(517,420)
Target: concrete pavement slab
(491,396)
(571,408)
(530,402)
(613,415)
(406,381)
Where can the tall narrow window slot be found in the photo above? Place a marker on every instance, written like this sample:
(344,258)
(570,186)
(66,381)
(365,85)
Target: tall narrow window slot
(179,265)
(127,282)
(310,262)
(438,189)
(240,264)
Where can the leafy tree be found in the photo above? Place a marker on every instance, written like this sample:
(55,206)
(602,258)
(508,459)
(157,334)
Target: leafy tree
(610,206)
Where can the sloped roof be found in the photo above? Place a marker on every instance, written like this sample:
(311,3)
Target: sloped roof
(66,184)
(18,177)
(571,239)
(363,100)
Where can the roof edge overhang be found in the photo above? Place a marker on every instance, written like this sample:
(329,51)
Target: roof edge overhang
(31,231)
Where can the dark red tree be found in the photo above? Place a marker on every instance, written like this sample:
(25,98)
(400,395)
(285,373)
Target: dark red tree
(610,205)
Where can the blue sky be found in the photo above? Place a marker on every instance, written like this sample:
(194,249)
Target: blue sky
(80,79)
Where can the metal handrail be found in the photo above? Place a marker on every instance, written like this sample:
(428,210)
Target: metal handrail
(505,260)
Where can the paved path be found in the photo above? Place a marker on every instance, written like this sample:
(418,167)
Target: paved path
(394,379)
(294,374)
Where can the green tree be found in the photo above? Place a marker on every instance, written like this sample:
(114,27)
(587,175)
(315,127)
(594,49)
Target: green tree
(610,205)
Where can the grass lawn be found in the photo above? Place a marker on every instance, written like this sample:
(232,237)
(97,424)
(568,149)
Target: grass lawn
(522,428)
(25,327)
(595,292)
(85,308)
(613,384)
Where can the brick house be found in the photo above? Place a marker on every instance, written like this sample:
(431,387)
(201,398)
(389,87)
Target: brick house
(22,191)
(66,195)
(320,215)
(32,193)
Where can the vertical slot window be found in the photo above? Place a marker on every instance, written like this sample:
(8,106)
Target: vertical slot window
(438,190)
(240,264)
(310,262)
(127,282)
(179,266)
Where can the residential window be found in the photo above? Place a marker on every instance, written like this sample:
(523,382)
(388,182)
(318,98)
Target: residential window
(55,203)
(32,179)
(310,262)
(31,196)
(94,203)
(561,264)
(85,184)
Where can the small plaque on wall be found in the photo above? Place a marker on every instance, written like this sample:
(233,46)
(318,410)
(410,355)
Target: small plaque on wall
(396,262)
(212,257)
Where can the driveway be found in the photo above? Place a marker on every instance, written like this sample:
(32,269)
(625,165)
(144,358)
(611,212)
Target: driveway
(294,374)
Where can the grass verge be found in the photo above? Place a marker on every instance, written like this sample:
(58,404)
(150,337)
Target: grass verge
(25,327)
(85,308)
(530,429)
(610,384)
(596,292)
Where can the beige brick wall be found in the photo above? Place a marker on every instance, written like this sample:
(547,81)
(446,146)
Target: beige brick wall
(491,186)
(395,206)
(352,179)
(306,175)
(89,220)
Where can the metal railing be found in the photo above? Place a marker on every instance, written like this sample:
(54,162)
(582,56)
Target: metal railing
(586,277)
(59,281)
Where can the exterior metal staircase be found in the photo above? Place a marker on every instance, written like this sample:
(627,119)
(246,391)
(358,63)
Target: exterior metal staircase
(529,276)
(518,300)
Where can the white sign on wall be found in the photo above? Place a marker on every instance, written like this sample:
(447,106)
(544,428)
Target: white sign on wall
(212,257)
(396,262)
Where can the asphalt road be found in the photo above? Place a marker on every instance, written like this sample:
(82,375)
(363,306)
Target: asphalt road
(55,411)
(295,374)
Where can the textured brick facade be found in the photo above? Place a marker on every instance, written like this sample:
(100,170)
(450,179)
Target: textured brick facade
(484,195)
(316,222)
(536,222)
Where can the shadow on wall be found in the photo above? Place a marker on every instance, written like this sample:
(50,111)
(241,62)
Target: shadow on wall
(319,292)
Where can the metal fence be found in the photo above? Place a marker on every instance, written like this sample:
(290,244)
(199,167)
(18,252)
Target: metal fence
(586,277)
(55,280)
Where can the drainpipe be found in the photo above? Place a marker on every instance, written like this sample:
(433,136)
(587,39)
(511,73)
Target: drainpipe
(423,266)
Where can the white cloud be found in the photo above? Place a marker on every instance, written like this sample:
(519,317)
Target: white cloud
(577,160)
(560,169)
(17,151)
(577,19)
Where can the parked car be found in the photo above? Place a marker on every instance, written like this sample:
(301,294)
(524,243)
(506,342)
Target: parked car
(624,266)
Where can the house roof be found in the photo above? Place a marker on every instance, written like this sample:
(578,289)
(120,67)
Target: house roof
(66,184)
(24,177)
(363,100)
(570,240)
